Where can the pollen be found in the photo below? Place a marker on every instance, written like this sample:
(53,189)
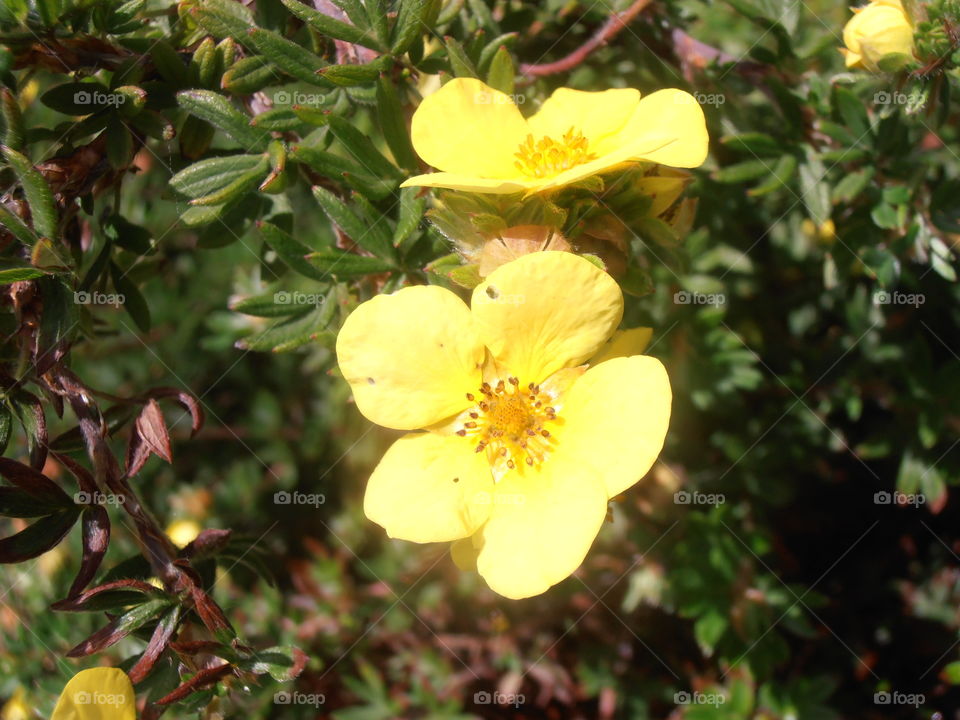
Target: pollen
(547,157)
(508,422)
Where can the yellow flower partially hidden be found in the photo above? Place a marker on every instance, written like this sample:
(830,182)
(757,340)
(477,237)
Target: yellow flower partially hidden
(480,142)
(880,30)
(97,694)
(535,412)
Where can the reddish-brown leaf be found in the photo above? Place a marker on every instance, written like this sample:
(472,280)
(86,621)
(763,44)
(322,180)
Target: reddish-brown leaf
(33,482)
(77,603)
(153,429)
(158,643)
(207,543)
(96,539)
(187,401)
(203,679)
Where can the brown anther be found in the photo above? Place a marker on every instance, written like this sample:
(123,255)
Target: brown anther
(461,433)
(474,415)
(513,381)
(470,397)
(510,464)
(470,425)
(545,433)
(530,461)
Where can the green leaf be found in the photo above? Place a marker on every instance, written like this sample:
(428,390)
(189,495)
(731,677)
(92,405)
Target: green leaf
(460,63)
(347,75)
(293,59)
(294,333)
(213,174)
(332,27)
(281,663)
(240,186)
(361,149)
(408,25)
(342,264)
(754,143)
(219,112)
(37,193)
(278,304)
(17,227)
(14,131)
(290,250)
(411,213)
(814,191)
(224,18)
(782,172)
(13,275)
(248,75)
(352,226)
(502,73)
(852,110)
(393,125)
(133,302)
(742,172)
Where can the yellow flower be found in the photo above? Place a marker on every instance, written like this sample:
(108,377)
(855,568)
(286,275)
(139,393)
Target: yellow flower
(479,140)
(879,30)
(97,694)
(535,412)
(183,532)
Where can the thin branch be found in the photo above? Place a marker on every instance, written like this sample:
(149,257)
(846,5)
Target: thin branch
(610,29)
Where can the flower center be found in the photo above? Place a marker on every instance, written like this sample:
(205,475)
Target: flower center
(547,157)
(508,424)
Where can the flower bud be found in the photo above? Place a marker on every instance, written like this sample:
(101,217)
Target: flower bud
(881,31)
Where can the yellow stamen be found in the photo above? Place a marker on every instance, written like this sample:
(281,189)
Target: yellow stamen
(547,157)
(508,423)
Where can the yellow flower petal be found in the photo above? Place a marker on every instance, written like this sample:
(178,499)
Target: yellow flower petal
(97,694)
(595,114)
(470,183)
(541,527)
(668,127)
(464,553)
(876,31)
(545,311)
(615,419)
(430,488)
(623,344)
(411,357)
(467,128)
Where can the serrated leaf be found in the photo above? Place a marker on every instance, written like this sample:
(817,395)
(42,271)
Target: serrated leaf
(248,75)
(213,174)
(351,225)
(37,192)
(293,59)
(340,263)
(220,112)
(332,27)
(290,250)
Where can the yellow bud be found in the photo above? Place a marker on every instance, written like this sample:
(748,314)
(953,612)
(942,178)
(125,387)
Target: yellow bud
(183,532)
(876,31)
